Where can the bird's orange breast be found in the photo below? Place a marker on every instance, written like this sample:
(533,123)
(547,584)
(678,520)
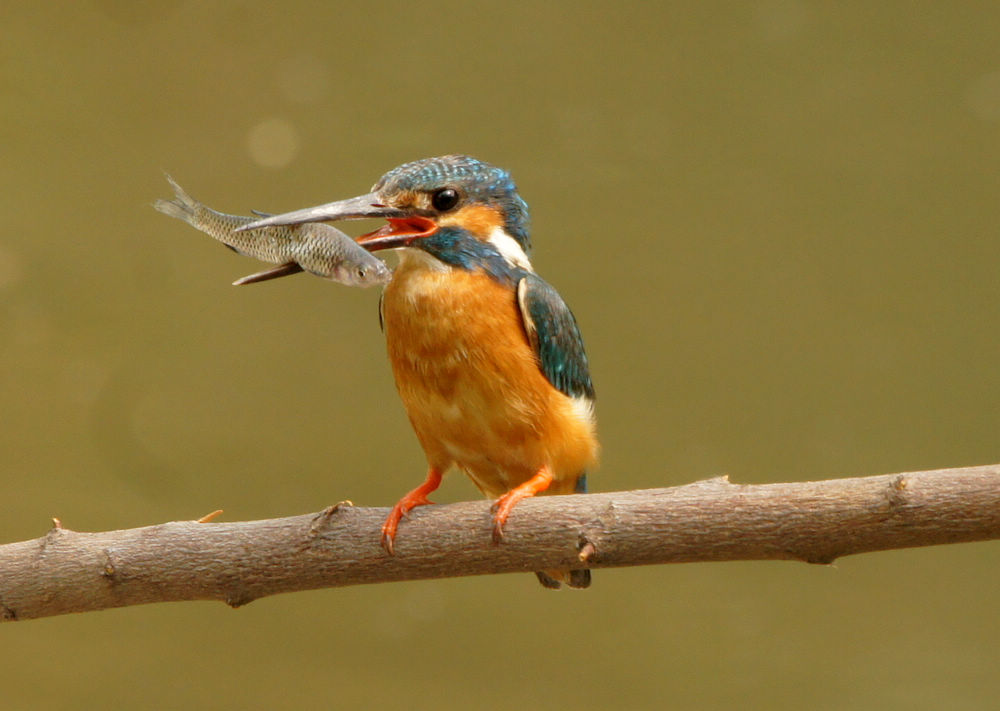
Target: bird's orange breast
(471,383)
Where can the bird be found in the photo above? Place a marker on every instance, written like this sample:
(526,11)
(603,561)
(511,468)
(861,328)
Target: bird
(487,357)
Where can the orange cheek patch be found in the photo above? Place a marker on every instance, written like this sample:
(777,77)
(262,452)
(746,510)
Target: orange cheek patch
(480,220)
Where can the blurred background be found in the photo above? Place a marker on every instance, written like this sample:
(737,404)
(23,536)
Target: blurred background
(776,221)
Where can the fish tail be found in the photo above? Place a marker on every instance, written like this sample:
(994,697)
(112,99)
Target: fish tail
(183,206)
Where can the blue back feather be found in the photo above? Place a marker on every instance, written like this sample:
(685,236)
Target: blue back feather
(557,339)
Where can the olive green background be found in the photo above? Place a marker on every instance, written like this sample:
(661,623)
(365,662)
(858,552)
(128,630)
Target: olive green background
(776,221)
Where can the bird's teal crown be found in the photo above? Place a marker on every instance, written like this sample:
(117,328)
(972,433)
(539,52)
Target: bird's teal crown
(479,182)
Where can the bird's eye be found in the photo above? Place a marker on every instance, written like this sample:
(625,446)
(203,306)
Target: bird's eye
(444,199)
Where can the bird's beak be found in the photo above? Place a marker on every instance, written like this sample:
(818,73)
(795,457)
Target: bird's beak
(402,229)
(357,208)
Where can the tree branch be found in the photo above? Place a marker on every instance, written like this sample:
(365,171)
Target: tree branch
(714,520)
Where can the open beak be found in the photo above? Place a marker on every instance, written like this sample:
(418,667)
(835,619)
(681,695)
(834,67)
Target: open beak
(400,232)
(357,208)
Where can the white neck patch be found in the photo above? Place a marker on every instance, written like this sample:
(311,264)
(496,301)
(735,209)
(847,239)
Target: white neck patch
(509,249)
(507,246)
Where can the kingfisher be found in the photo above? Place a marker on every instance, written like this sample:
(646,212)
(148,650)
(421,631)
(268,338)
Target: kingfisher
(487,358)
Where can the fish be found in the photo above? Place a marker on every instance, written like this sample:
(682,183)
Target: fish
(315,248)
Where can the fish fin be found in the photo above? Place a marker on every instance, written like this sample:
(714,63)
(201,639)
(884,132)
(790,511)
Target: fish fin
(258,213)
(182,206)
(268,274)
(172,208)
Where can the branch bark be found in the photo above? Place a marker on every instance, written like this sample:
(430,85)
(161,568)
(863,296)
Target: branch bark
(714,520)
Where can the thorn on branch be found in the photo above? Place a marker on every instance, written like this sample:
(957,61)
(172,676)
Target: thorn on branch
(714,482)
(109,570)
(895,495)
(53,534)
(209,516)
(322,519)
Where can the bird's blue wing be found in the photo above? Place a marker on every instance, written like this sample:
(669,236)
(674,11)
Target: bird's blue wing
(555,337)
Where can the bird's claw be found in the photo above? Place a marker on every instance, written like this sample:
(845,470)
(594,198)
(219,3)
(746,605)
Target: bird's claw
(390,526)
(497,531)
(505,504)
(400,511)
(387,541)
(501,511)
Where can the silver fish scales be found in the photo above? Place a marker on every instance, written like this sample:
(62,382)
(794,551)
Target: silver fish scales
(316,248)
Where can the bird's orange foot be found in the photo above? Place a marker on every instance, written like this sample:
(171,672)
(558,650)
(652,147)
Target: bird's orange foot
(401,508)
(506,503)
(417,497)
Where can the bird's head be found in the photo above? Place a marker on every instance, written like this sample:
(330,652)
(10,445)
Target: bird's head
(435,204)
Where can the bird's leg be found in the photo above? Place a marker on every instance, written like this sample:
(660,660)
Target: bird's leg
(417,497)
(505,504)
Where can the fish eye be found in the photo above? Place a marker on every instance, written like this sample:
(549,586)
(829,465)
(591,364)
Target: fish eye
(362,272)
(444,199)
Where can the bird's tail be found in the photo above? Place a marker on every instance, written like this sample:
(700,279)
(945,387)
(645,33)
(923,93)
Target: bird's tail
(553,579)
